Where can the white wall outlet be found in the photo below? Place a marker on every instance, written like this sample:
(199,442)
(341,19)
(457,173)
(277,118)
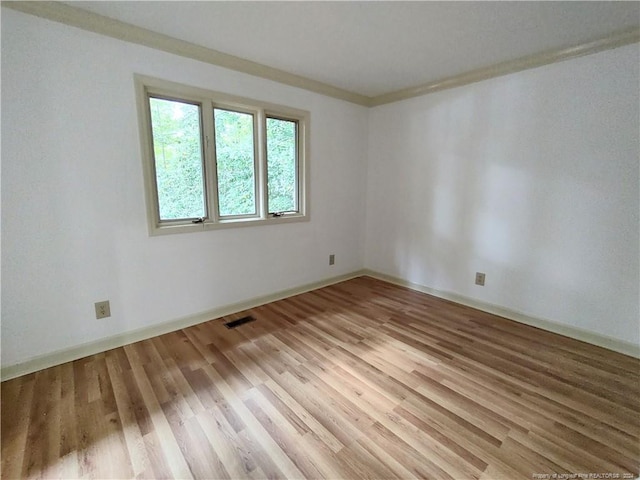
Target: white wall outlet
(332,259)
(480,279)
(103,309)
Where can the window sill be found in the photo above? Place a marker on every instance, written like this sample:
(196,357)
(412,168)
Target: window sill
(187,227)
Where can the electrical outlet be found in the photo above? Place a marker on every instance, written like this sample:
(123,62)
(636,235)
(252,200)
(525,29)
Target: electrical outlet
(480,279)
(103,309)
(332,259)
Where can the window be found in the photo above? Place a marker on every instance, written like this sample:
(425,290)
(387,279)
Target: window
(212,160)
(282,165)
(178,159)
(235,160)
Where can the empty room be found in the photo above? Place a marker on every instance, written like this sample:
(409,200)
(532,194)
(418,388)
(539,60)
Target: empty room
(324,240)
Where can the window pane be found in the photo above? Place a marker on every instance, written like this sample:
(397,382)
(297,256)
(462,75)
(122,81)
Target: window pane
(281,165)
(235,162)
(178,159)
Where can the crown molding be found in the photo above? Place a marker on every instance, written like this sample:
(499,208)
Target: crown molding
(617,39)
(93,22)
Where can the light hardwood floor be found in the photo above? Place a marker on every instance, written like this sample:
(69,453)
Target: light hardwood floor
(362,379)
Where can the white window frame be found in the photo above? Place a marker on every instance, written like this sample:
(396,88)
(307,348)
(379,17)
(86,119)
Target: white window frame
(209,100)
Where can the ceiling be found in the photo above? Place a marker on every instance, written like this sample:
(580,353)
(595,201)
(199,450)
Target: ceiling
(373,48)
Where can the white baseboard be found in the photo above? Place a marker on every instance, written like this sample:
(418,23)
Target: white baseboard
(593,338)
(91,348)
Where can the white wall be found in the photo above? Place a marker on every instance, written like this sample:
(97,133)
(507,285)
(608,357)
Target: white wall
(74,229)
(531,178)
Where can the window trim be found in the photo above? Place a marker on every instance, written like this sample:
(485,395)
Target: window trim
(208,100)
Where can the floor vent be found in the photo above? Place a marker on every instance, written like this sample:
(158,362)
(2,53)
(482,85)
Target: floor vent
(238,322)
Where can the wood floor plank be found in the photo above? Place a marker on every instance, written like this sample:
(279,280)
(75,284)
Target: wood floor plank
(168,444)
(311,422)
(362,379)
(283,433)
(253,425)
(37,428)
(233,454)
(394,463)
(134,441)
(406,453)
